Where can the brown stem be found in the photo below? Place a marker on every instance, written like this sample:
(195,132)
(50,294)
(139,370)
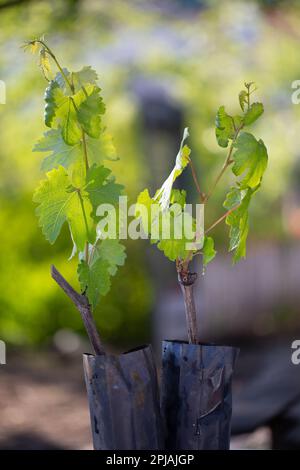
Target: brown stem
(196,181)
(186,281)
(86,161)
(47,48)
(224,168)
(81,303)
(226,164)
(86,248)
(221,218)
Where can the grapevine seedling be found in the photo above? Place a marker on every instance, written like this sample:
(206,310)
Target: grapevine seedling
(77,181)
(247,157)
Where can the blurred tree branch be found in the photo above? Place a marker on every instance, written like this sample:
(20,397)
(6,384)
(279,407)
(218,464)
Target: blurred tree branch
(12,3)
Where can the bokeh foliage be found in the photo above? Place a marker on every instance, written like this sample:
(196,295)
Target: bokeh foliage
(200,57)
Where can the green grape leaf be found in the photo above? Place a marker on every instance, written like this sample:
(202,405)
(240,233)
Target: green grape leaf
(71,132)
(253,113)
(61,153)
(60,112)
(60,203)
(70,112)
(45,63)
(172,248)
(238,220)
(66,155)
(102,148)
(173,228)
(101,190)
(178,196)
(163,195)
(77,174)
(85,76)
(60,80)
(110,250)
(146,202)
(175,244)
(90,110)
(224,127)
(238,121)
(208,250)
(54,97)
(233,198)
(94,280)
(243,99)
(250,157)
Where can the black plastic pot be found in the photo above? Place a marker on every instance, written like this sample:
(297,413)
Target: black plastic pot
(124,400)
(196,397)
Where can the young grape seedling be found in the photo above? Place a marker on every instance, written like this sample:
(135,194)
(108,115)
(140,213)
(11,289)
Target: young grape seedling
(247,157)
(77,181)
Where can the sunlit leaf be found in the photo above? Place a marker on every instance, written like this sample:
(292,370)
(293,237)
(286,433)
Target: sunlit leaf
(66,155)
(208,250)
(224,127)
(111,251)
(253,113)
(94,279)
(58,203)
(100,188)
(250,159)
(238,220)
(163,195)
(85,76)
(90,110)
(60,153)
(45,63)
(243,99)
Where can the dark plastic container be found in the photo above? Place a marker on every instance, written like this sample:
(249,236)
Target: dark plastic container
(124,400)
(196,396)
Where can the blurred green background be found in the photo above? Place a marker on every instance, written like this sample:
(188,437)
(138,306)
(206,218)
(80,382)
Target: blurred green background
(200,53)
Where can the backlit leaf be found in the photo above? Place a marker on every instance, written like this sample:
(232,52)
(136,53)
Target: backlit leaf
(111,251)
(250,159)
(208,250)
(253,113)
(224,127)
(90,110)
(100,188)
(238,220)
(243,99)
(94,280)
(163,195)
(58,203)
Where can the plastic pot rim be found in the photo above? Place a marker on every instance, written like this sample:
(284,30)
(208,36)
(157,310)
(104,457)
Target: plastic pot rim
(133,350)
(199,344)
